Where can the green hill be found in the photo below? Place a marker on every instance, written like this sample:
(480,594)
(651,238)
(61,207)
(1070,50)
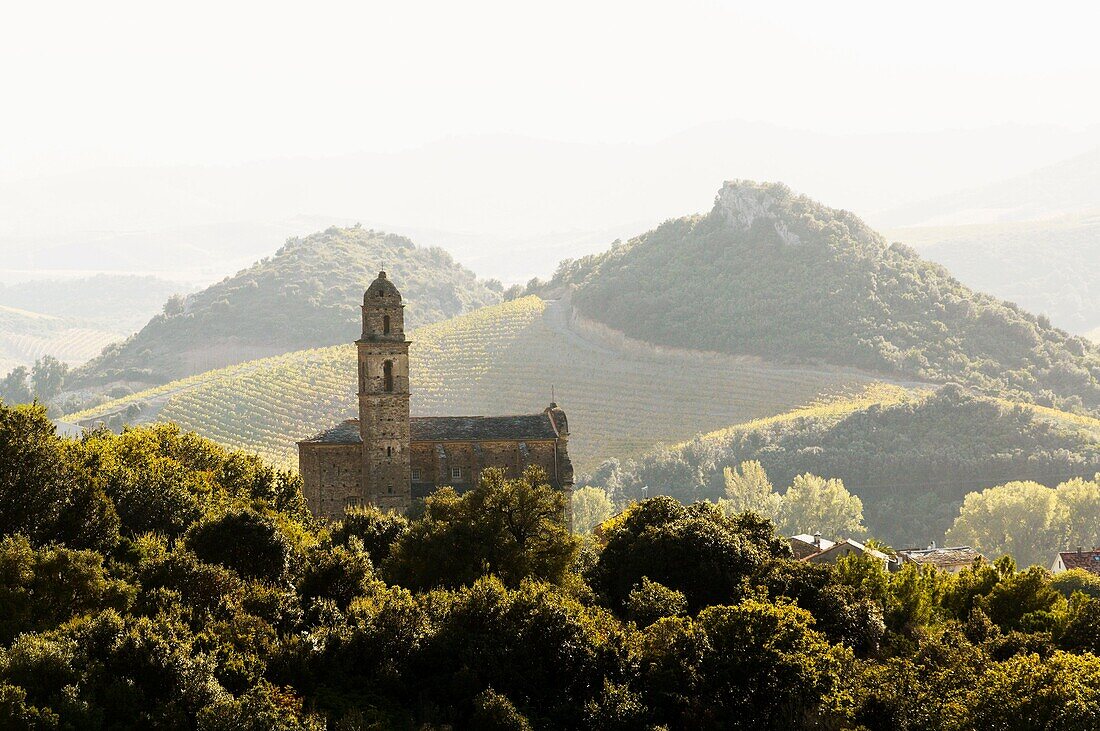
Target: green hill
(777,275)
(910,456)
(1050,267)
(26,336)
(621,396)
(305,296)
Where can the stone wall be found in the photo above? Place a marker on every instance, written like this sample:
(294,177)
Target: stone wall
(433,462)
(332,477)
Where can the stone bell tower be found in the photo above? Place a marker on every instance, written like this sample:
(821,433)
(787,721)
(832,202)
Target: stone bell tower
(384,397)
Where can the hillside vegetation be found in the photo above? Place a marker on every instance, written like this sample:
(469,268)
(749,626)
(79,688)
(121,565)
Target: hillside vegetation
(26,336)
(777,275)
(1047,267)
(305,296)
(910,456)
(153,580)
(621,397)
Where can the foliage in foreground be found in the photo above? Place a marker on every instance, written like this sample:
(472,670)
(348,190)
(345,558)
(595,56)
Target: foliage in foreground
(186,587)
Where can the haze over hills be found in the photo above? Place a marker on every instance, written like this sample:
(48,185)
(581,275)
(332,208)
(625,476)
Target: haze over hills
(1070,186)
(483,196)
(622,396)
(777,275)
(26,336)
(119,303)
(306,295)
(1049,267)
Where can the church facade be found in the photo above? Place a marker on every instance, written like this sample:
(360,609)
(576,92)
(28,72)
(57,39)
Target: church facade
(387,457)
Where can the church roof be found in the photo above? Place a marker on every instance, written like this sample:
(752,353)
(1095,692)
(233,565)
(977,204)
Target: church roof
(457,429)
(487,428)
(346,432)
(381,287)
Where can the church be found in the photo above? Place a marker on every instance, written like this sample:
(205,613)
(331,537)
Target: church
(388,458)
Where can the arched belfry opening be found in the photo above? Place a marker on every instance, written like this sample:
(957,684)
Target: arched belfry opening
(385,324)
(387,376)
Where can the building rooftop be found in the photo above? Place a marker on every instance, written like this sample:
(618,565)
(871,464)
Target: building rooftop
(534,427)
(1087,560)
(941,557)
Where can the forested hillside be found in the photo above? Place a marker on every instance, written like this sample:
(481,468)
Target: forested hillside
(774,274)
(307,295)
(911,458)
(152,580)
(621,397)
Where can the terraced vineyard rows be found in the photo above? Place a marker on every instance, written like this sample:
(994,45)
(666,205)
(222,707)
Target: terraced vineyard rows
(26,336)
(499,359)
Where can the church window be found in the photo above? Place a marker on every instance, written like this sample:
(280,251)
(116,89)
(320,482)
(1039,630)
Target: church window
(389,451)
(385,324)
(387,376)
(456,473)
(416,474)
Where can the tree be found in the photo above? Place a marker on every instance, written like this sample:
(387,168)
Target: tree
(378,531)
(45,494)
(243,540)
(14,389)
(1076,580)
(591,506)
(514,529)
(1021,519)
(696,550)
(48,377)
(1079,511)
(748,666)
(748,488)
(175,305)
(1027,692)
(815,505)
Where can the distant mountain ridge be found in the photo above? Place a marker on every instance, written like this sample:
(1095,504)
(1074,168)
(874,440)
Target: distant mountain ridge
(1049,267)
(304,296)
(774,274)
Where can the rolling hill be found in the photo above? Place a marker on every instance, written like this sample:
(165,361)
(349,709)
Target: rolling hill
(777,275)
(304,296)
(1065,187)
(910,455)
(621,395)
(26,336)
(116,302)
(1049,267)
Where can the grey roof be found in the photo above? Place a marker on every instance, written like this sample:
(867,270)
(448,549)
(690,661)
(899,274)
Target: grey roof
(346,432)
(945,556)
(471,428)
(454,429)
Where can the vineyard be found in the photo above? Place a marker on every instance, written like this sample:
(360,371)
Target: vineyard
(622,396)
(26,336)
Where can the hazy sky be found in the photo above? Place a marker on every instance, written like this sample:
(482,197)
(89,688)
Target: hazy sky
(223,82)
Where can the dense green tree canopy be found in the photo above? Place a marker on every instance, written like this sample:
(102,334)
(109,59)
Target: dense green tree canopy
(481,612)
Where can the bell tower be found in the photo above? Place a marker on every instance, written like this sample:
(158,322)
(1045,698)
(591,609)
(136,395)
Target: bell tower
(384,398)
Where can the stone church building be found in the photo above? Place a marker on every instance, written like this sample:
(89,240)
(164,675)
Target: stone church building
(387,457)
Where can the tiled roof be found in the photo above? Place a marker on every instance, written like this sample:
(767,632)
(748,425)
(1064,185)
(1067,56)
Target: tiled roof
(484,428)
(346,432)
(941,557)
(803,545)
(455,429)
(840,545)
(1087,560)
